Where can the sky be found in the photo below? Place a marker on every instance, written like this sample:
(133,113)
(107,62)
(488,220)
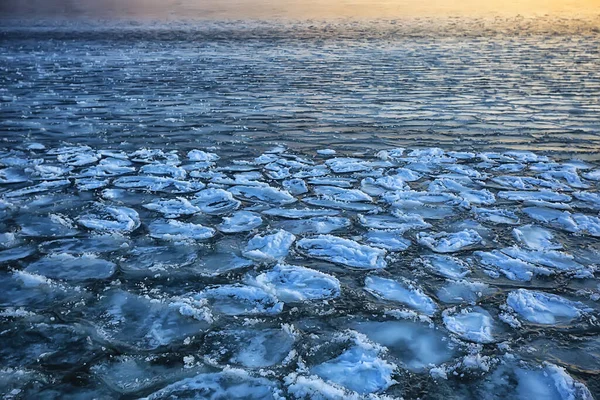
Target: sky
(294,9)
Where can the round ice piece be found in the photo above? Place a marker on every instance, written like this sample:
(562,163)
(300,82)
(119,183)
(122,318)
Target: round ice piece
(215,201)
(177,231)
(291,283)
(536,238)
(240,221)
(404,292)
(117,219)
(343,251)
(173,208)
(72,268)
(444,242)
(473,324)
(240,300)
(544,308)
(448,266)
(270,247)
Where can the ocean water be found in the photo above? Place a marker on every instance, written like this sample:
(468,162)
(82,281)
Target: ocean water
(346,209)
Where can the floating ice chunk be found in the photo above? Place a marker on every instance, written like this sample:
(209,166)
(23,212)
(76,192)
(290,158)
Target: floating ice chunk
(16,253)
(239,299)
(53,225)
(148,323)
(340,205)
(91,184)
(316,225)
(473,324)
(465,170)
(342,165)
(295,186)
(397,221)
(173,208)
(513,268)
(105,243)
(359,369)
(590,198)
(50,172)
(164,170)
(526,156)
(329,181)
(230,384)
(291,283)
(447,266)
(151,260)
(265,194)
(576,223)
(251,348)
(544,195)
(593,175)
(295,213)
(36,147)
(478,197)
(417,345)
(404,292)
(326,152)
(342,195)
(117,219)
(107,169)
(12,175)
(199,155)
(528,184)
(444,242)
(45,186)
(391,240)
(496,216)
(343,251)
(535,238)
(150,156)
(421,197)
(240,221)
(270,247)
(177,231)
(72,268)
(215,201)
(521,382)
(570,176)
(76,156)
(158,184)
(463,291)
(544,308)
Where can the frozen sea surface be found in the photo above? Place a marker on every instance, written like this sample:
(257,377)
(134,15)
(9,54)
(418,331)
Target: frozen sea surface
(205,212)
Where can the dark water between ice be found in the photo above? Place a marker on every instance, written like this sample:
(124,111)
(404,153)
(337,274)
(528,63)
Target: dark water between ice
(116,263)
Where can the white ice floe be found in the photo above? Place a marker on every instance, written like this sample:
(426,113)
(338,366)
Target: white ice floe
(315,225)
(178,231)
(296,213)
(463,291)
(391,240)
(444,242)
(339,205)
(473,324)
(397,221)
(265,194)
(239,299)
(87,184)
(342,165)
(555,260)
(173,208)
(544,195)
(116,219)
(240,221)
(13,175)
(496,262)
(343,251)
(149,156)
(326,152)
(153,260)
(404,292)
(158,184)
(72,268)
(519,381)
(295,186)
(359,369)
(270,247)
(544,308)
(447,266)
(164,170)
(52,225)
(250,348)
(417,345)
(215,201)
(335,193)
(231,384)
(199,155)
(332,181)
(291,283)
(495,216)
(42,187)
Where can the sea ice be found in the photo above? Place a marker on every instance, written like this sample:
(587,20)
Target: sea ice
(173,208)
(177,231)
(444,242)
(265,194)
(215,201)
(544,308)
(390,240)
(270,247)
(343,251)
(291,283)
(240,221)
(315,225)
(404,292)
(237,299)
(473,324)
(447,266)
(115,219)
